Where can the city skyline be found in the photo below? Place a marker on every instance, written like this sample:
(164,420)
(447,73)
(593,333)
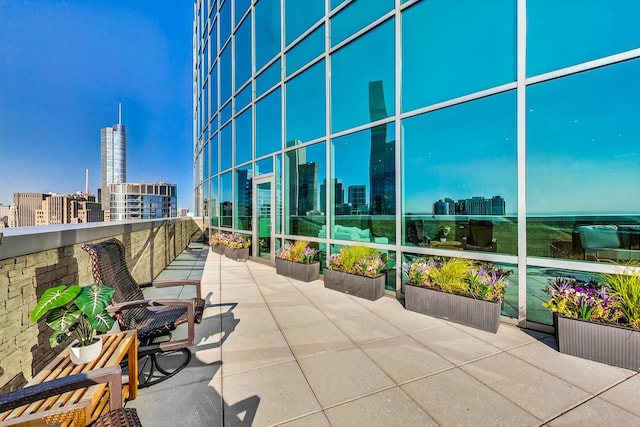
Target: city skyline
(62,89)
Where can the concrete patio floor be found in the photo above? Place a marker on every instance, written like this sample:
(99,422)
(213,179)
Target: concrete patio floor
(275,351)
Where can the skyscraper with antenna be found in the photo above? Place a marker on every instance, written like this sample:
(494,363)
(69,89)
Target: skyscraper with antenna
(113,158)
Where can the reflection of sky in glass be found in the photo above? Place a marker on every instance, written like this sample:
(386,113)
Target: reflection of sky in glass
(225,147)
(366,59)
(460,152)
(242,58)
(564,33)
(225,22)
(453,51)
(243,137)
(225,74)
(267,28)
(309,48)
(300,15)
(582,142)
(356,16)
(268,78)
(240,8)
(269,124)
(306,105)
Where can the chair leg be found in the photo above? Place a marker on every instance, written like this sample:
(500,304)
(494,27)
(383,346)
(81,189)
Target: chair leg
(151,367)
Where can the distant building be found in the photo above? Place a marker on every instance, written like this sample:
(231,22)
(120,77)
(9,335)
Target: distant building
(113,158)
(358,199)
(143,201)
(338,194)
(476,205)
(26,205)
(183,212)
(5,213)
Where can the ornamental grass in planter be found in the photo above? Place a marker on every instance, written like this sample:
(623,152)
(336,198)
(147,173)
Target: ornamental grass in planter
(457,289)
(356,270)
(297,260)
(599,321)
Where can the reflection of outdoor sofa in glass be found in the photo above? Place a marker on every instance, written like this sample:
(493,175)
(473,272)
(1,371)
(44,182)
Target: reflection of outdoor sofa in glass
(355,234)
(480,236)
(611,242)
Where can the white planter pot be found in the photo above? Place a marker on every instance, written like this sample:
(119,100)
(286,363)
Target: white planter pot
(81,355)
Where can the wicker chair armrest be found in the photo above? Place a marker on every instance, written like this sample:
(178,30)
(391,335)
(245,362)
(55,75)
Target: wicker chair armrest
(169,283)
(111,375)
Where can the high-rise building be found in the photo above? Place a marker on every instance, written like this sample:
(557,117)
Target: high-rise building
(338,194)
(382,157)
(358,199)
(113,158)
(143,201)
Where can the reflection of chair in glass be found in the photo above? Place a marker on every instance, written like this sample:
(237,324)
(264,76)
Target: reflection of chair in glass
(415,232)
(480,236)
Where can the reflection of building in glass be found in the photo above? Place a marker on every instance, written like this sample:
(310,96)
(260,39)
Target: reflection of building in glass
(303,183)
(358,199)
(244,192)
(474,206)
(382,163)
(338,193)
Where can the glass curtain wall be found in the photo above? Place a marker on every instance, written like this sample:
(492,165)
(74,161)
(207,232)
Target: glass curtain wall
(427,128)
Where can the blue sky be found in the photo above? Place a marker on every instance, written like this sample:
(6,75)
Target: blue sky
(64,67)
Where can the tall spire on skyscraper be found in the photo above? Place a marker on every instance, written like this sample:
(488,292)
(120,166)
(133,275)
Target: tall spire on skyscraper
(119,113)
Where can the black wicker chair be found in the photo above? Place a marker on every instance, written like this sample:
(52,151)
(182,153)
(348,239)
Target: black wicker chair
(154,319)
(116,417)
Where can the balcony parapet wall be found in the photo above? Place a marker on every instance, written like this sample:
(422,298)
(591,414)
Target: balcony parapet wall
(34,259)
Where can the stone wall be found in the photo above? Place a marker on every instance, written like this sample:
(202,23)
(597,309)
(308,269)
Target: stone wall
(24,345)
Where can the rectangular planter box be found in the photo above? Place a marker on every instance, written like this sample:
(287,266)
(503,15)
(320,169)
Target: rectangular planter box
(236,254)
(479,314)
(371,288)
(297,270)
(610,344)
(218,249)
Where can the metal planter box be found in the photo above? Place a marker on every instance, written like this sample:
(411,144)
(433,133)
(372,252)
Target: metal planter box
(298,270)
(218,249)
(237,254)
(610,344)
(371,288)
(479,314)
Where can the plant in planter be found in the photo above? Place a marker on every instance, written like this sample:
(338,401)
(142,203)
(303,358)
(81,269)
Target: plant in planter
(457,289)
(216,242)
(598,321)
(237,246)
(79,311)
(297,260)
(357,270)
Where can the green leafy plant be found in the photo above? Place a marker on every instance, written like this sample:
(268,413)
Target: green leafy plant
(75,309)
(459,276)
(360,260)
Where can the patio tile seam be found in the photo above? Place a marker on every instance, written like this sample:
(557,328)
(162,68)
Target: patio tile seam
(319,411)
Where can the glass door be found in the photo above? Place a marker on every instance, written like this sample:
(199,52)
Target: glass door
(264,243)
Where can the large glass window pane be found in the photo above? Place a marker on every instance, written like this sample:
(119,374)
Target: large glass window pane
(240,8)
(214,154)
(279,199)
(459,177)
(362,79)
(582,161)
(268,78)
(305,169)
(453,51)
(225,74)
(364,186)
(226,201)
(267,30)
(243,98)
(244,198)
(213,87)
(306,50)
(300,15)
(565,33)
(226,112)
(306,105)
(264,166)
(269,124)
(242,45)
(206,161)
(214,207)
(225,21)
(244,131)
(226,147)
(214,40)
(356,16)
